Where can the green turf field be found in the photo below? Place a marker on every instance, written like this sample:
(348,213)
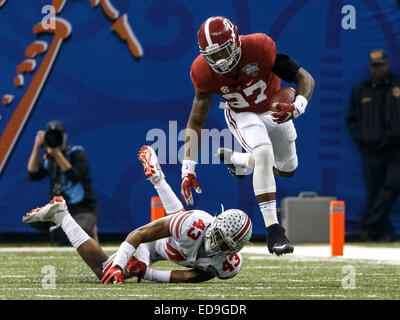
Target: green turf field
(24,276)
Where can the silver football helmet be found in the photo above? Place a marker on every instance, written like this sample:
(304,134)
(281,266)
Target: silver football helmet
(228,233)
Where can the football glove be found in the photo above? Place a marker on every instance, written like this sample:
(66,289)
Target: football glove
(288,111)
(189,181)
(284,112)
(136,268)
(113,275)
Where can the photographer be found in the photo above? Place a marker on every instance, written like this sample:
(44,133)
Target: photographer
(68,172)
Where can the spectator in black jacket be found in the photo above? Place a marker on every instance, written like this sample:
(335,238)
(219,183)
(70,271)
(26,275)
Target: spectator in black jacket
(374,123)
(68,172)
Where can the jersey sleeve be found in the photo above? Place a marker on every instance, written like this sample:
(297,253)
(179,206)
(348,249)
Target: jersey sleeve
(226,268)
(200,75)
(267,50)
(187,228)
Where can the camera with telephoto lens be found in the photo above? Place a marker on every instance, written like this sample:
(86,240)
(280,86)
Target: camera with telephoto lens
(54,135)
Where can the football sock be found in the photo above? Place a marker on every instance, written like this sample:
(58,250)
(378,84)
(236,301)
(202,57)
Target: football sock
(157,275)
(74,232)
(268,210)
(168,198)
(124,253)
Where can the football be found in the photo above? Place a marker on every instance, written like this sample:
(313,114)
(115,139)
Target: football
(285,95)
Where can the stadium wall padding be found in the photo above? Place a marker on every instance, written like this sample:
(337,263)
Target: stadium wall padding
(112,103)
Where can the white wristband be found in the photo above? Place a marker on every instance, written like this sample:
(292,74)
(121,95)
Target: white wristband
(124,253)
(188,166)
(157,275)
(300,103)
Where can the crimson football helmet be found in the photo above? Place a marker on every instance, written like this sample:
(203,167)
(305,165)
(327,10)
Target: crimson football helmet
(220,44)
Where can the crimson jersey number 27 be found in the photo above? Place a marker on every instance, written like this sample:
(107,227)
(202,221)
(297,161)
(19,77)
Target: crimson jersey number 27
(241,101)
(195,231)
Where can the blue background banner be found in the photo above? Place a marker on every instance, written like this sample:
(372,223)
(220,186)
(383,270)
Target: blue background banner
(110,102)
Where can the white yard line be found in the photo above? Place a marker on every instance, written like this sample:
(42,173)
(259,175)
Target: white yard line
(301,251)
(45,249)
(349,252)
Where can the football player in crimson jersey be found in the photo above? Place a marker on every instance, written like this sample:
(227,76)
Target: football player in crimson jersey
(246,70)
(209,246)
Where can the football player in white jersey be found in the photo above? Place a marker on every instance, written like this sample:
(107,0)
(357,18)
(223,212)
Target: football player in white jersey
(209,246)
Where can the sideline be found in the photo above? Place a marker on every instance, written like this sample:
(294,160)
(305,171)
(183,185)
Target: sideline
(362,252)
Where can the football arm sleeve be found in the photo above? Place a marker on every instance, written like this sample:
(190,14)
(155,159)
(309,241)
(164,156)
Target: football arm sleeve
(285,68)
(289,71)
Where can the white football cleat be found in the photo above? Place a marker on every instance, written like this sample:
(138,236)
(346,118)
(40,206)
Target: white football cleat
(152,168)
(54,211)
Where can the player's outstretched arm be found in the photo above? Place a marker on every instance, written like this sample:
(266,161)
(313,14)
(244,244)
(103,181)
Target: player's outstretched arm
(141,271)
(197,118)
(152,231)
(189,276)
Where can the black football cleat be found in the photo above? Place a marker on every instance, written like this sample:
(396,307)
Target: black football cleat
(277,241)
(224,155)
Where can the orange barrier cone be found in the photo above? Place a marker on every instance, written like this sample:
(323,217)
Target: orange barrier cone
(337,227)
(157,209)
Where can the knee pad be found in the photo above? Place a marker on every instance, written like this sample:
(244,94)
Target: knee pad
(263,154)
(263,176)
(287,165)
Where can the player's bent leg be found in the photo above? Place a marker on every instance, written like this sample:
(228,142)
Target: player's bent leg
(286,166)
(264,183)
(93,255)
(255,136)
(236,162)
(263,177)
(265,191)
(283,138)
(152,170)
(56,211)
(283,173)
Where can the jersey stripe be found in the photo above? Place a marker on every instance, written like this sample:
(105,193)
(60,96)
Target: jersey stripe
(176,221)
(244,230)
(174,254)
(207,31)
(235,127)
(172,222)
(178,224)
